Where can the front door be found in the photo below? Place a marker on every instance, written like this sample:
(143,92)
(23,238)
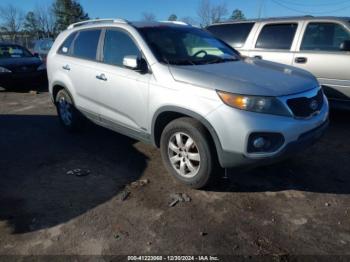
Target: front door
(320,54)
(124,91)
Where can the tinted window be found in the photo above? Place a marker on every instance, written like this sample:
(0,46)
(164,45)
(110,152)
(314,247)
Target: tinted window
(66,46)
(324,36)
(277,36)
(233,34)
(13,51)
(85,45)
(117,45)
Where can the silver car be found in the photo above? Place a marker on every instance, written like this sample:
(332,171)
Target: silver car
(183,90)
(320,45)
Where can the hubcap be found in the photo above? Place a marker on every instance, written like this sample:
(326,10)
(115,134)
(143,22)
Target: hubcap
(65,110)
(184,155)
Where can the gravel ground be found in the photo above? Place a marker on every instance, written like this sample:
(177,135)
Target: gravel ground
(299,206)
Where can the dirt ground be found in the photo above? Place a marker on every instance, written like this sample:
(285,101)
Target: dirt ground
(299,206)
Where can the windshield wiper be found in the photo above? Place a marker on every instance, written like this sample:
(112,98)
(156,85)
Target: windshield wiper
(182,62)
(221,60)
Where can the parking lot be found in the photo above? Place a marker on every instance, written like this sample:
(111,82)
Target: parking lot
(299,206)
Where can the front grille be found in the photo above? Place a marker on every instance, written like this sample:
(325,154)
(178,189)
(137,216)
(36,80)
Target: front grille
(304,106)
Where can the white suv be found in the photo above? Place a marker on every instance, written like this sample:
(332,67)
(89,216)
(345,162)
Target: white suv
(185,91)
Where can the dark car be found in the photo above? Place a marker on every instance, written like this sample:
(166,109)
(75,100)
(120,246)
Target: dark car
(18,66)
(42,47)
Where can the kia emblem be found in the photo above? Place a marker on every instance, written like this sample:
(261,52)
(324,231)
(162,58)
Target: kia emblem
(314,105)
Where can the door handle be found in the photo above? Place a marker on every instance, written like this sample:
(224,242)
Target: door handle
(301,60)
(66,67)
(101,77)
(258,57)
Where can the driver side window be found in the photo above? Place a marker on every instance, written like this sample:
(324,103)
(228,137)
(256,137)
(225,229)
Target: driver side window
(117,45)
(324,37)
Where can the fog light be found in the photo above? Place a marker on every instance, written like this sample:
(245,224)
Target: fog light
(259,142)
(264,142)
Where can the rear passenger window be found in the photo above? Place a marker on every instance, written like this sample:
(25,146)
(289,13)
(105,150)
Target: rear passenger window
(66,46)
(233,34)
(85,45)
(277,36)
(117,45)
(324,37)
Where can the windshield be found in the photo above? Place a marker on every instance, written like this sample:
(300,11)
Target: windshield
(186,46)
(13,51)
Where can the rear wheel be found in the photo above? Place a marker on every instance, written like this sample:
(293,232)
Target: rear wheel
(69,116)
(187,153)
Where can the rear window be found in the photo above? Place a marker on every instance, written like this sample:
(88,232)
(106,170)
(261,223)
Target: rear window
(233,34)
(13,51)
(277,36)
(85,45)
(66,46)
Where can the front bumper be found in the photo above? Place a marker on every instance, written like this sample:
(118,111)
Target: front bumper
(30,78)
(231,159)
(233,128)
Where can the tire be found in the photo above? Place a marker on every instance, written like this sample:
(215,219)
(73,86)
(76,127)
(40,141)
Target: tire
(191,163)
(71,119)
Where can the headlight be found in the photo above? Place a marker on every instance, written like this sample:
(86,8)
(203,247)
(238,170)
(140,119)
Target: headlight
(259,104)
(41,67)
(4,70)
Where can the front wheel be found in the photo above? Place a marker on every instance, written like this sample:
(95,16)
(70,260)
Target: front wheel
(187,153)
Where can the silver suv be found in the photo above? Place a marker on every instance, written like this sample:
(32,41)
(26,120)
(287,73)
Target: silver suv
(320,45)
(183,90)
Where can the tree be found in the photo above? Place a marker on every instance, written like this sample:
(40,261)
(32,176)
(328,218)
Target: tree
(11,20)
(67,12)
(31,25)
(46,21)
(209,13)
(172,17)
(188,20)
(237,14)
(148,17)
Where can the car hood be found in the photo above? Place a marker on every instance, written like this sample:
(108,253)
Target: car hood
(248,77)
(11,63)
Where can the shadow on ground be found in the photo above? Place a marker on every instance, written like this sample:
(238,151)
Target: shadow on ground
(323,168)
(20,87)
(36,153)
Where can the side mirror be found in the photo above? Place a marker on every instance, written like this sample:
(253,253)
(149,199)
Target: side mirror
(37,55)
(131,62)
(135,63)
(345,46)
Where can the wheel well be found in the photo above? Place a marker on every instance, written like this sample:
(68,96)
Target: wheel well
(166,117)
(55,91)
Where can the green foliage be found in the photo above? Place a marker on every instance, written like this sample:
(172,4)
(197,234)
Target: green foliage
(237,14)
(172,17)
(68,12)
(31,24)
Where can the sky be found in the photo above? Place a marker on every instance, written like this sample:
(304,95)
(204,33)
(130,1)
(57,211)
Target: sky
(133,9)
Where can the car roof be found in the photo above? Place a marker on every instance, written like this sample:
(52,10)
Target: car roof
(290,18)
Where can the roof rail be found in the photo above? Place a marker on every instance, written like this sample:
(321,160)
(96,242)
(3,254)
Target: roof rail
(175,22)
(97,21)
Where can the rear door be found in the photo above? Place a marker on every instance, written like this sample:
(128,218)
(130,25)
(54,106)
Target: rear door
(275,42)
(319,52)
(82,68)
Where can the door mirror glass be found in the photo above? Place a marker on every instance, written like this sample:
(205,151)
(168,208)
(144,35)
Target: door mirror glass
(131,62)
(345,46)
